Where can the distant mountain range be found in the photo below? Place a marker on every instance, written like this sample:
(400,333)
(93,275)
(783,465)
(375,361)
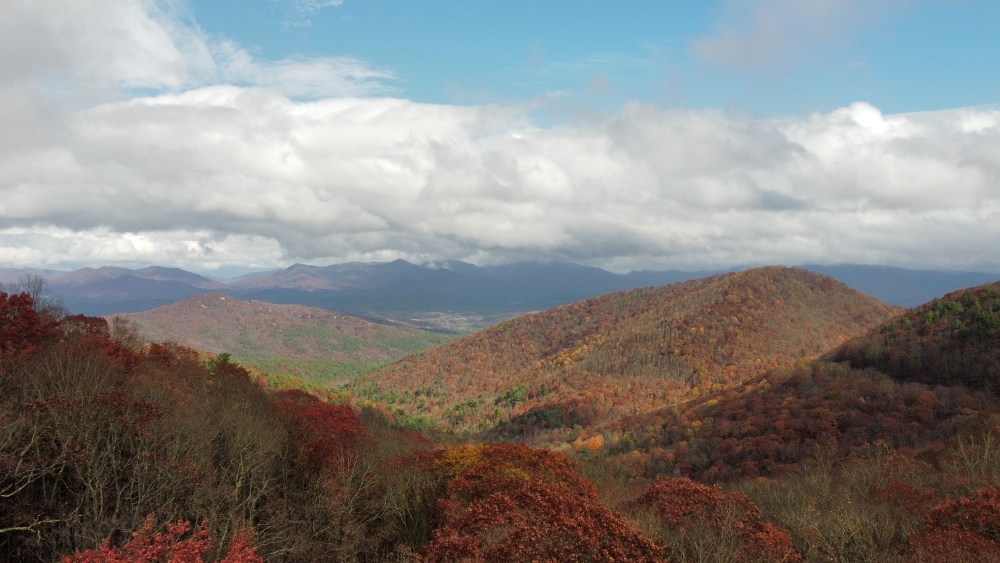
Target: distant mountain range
(908,288)
(454,295)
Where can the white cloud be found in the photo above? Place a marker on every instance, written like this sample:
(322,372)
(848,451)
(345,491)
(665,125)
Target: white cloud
(228,163)
(350,178)
(96,49)
(313,5)
(124,42)
(57,247)
(775,34)
(300,77)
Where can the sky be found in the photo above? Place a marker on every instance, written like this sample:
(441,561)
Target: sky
(224,136)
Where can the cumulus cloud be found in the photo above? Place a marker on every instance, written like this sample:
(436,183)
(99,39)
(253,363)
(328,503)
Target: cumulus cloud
(101,48)
(43,246)
(231,162)
(774,34)
(379,178)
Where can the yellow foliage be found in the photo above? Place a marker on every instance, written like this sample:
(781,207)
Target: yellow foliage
(458,459)
(515,473)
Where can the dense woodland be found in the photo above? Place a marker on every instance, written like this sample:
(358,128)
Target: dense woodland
(949,341)
(766,416)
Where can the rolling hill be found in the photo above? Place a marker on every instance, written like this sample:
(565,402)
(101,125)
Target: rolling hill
(774,423)
(308,343)
(951,340)
(619,354)
(913,382)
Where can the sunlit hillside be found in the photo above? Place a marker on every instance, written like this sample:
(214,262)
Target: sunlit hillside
(626,352)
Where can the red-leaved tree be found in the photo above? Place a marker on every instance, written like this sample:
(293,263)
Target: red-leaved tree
(179,544)
(21,328)
(323,435)
(512,503)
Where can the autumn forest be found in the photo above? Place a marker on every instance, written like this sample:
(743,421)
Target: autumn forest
(767,415)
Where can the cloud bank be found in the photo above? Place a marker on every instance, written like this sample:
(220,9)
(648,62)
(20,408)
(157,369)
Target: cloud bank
(272,163)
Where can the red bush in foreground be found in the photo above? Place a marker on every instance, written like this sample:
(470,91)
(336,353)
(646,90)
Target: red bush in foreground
(21,328)
(323,435)
(952,545)
(966,529)
(511,503)
(169,547)
(683,508)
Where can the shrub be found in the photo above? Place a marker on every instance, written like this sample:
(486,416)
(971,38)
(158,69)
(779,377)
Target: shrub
(695,522)
(511,503)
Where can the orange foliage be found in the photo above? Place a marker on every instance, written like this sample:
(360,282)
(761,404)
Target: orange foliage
(518,504)
(952,545)
(623,353)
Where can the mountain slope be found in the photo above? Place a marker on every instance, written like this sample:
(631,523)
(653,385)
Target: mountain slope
(455,296)
(920,378)
(626,352)
(776,422)
(155,273)
(310,343)
(949,341)
(108,290)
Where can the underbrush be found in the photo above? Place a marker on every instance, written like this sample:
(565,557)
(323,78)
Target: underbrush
(99,440)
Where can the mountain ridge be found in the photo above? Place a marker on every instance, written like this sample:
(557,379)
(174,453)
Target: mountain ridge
(629,350)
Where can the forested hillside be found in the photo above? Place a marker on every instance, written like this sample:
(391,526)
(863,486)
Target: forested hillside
(116,450)
(951,340)
(626,352)
(917,380)
(774,423)
(312,344)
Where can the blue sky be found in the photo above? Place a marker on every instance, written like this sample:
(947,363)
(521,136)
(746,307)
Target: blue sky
(227,135)
(900,56)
